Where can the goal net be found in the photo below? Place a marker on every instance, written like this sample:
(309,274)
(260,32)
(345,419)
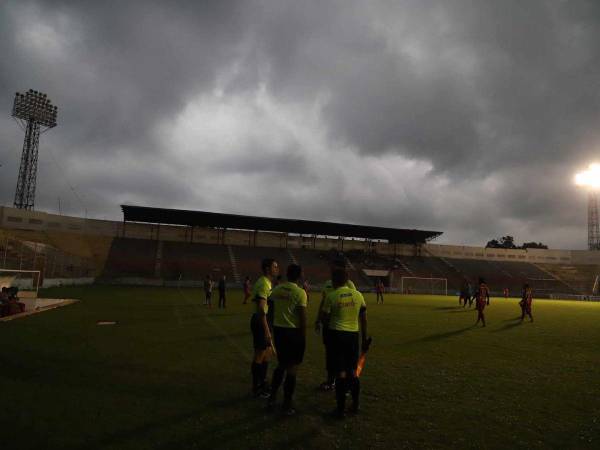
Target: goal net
(417,285)
(26,281)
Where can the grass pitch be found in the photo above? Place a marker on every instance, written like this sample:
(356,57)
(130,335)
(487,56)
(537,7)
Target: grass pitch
(172,374)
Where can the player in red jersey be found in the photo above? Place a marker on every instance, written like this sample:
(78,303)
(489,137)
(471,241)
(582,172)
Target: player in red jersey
(379,289)
(247,293)
(306,287)
(482,297)
(525,303)
(505,292)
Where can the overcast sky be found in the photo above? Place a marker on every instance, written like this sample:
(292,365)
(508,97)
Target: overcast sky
(464,116)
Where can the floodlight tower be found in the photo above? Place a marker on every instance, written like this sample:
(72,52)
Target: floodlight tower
(590,179)
(34,112)
(593,222)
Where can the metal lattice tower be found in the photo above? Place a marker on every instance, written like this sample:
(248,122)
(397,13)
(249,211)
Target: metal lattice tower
(593,221)
(35,114)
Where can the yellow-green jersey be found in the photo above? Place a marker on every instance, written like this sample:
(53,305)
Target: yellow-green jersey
(328,287)
(261,290)
(343,306)
(286,297)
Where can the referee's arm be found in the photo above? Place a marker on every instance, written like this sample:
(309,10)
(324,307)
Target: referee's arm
(324,318)
(301,311)
(262,303)
(319,320)
(363,325)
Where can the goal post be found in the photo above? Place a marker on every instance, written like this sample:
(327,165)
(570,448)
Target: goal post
(422,285)
(26,281)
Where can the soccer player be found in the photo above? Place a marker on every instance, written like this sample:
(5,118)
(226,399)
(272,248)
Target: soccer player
(208,287)
(379,289)
(525,303)
(341,312)
(261,334)
(329,383)
(471,295)
(306,287)
(222,289)
(247,294)
(465,294)
(288,301)
(506,292)
(482,294)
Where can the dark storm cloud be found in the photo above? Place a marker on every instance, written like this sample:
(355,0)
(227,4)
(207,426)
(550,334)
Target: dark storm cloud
(460,115)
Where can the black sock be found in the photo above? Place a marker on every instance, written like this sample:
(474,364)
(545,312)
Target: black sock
(255,370)
(355,390)
(263,372)
(276,381)
(340,393)
(288,388)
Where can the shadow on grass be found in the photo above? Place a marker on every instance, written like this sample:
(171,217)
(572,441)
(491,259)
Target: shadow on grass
(213,435)
(206,433)
(462,310)
(441,336)
(251,430)
(446,308)
(220,337)
(509,326)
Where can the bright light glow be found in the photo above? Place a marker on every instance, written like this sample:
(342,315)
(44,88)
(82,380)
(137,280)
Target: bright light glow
(589,178)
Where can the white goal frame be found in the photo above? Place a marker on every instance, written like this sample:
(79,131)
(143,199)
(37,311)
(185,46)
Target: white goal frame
(430,279)
(24,292)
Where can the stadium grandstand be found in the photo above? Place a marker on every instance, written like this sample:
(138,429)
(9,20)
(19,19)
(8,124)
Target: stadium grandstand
(158,246)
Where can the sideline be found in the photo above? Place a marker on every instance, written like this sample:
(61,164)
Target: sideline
(60,304)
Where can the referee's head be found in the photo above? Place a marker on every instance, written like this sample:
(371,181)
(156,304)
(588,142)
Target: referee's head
(269,267)
(339,277)
(294,272)
(338,261)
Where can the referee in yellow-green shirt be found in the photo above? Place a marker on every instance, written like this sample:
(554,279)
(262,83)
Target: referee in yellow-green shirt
(344,312)
(329,384)
(288,302)
(261,333)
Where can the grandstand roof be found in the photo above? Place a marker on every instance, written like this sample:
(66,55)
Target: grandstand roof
(309,227)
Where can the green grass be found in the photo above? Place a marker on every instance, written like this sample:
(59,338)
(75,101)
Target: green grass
(172,374)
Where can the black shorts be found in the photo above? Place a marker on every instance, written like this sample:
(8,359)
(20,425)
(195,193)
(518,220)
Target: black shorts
(258,332)
(290,345)
(343,346)
(326,334)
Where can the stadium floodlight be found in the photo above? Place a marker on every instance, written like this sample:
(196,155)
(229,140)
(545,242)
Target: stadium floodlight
(590,179)
(35,114)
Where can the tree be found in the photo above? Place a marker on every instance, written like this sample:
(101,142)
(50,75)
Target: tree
(534,245)
(493,244)
(508,242)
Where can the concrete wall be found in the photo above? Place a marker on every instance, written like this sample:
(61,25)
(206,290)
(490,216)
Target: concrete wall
(494,254)
(53,282)
(66,231)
